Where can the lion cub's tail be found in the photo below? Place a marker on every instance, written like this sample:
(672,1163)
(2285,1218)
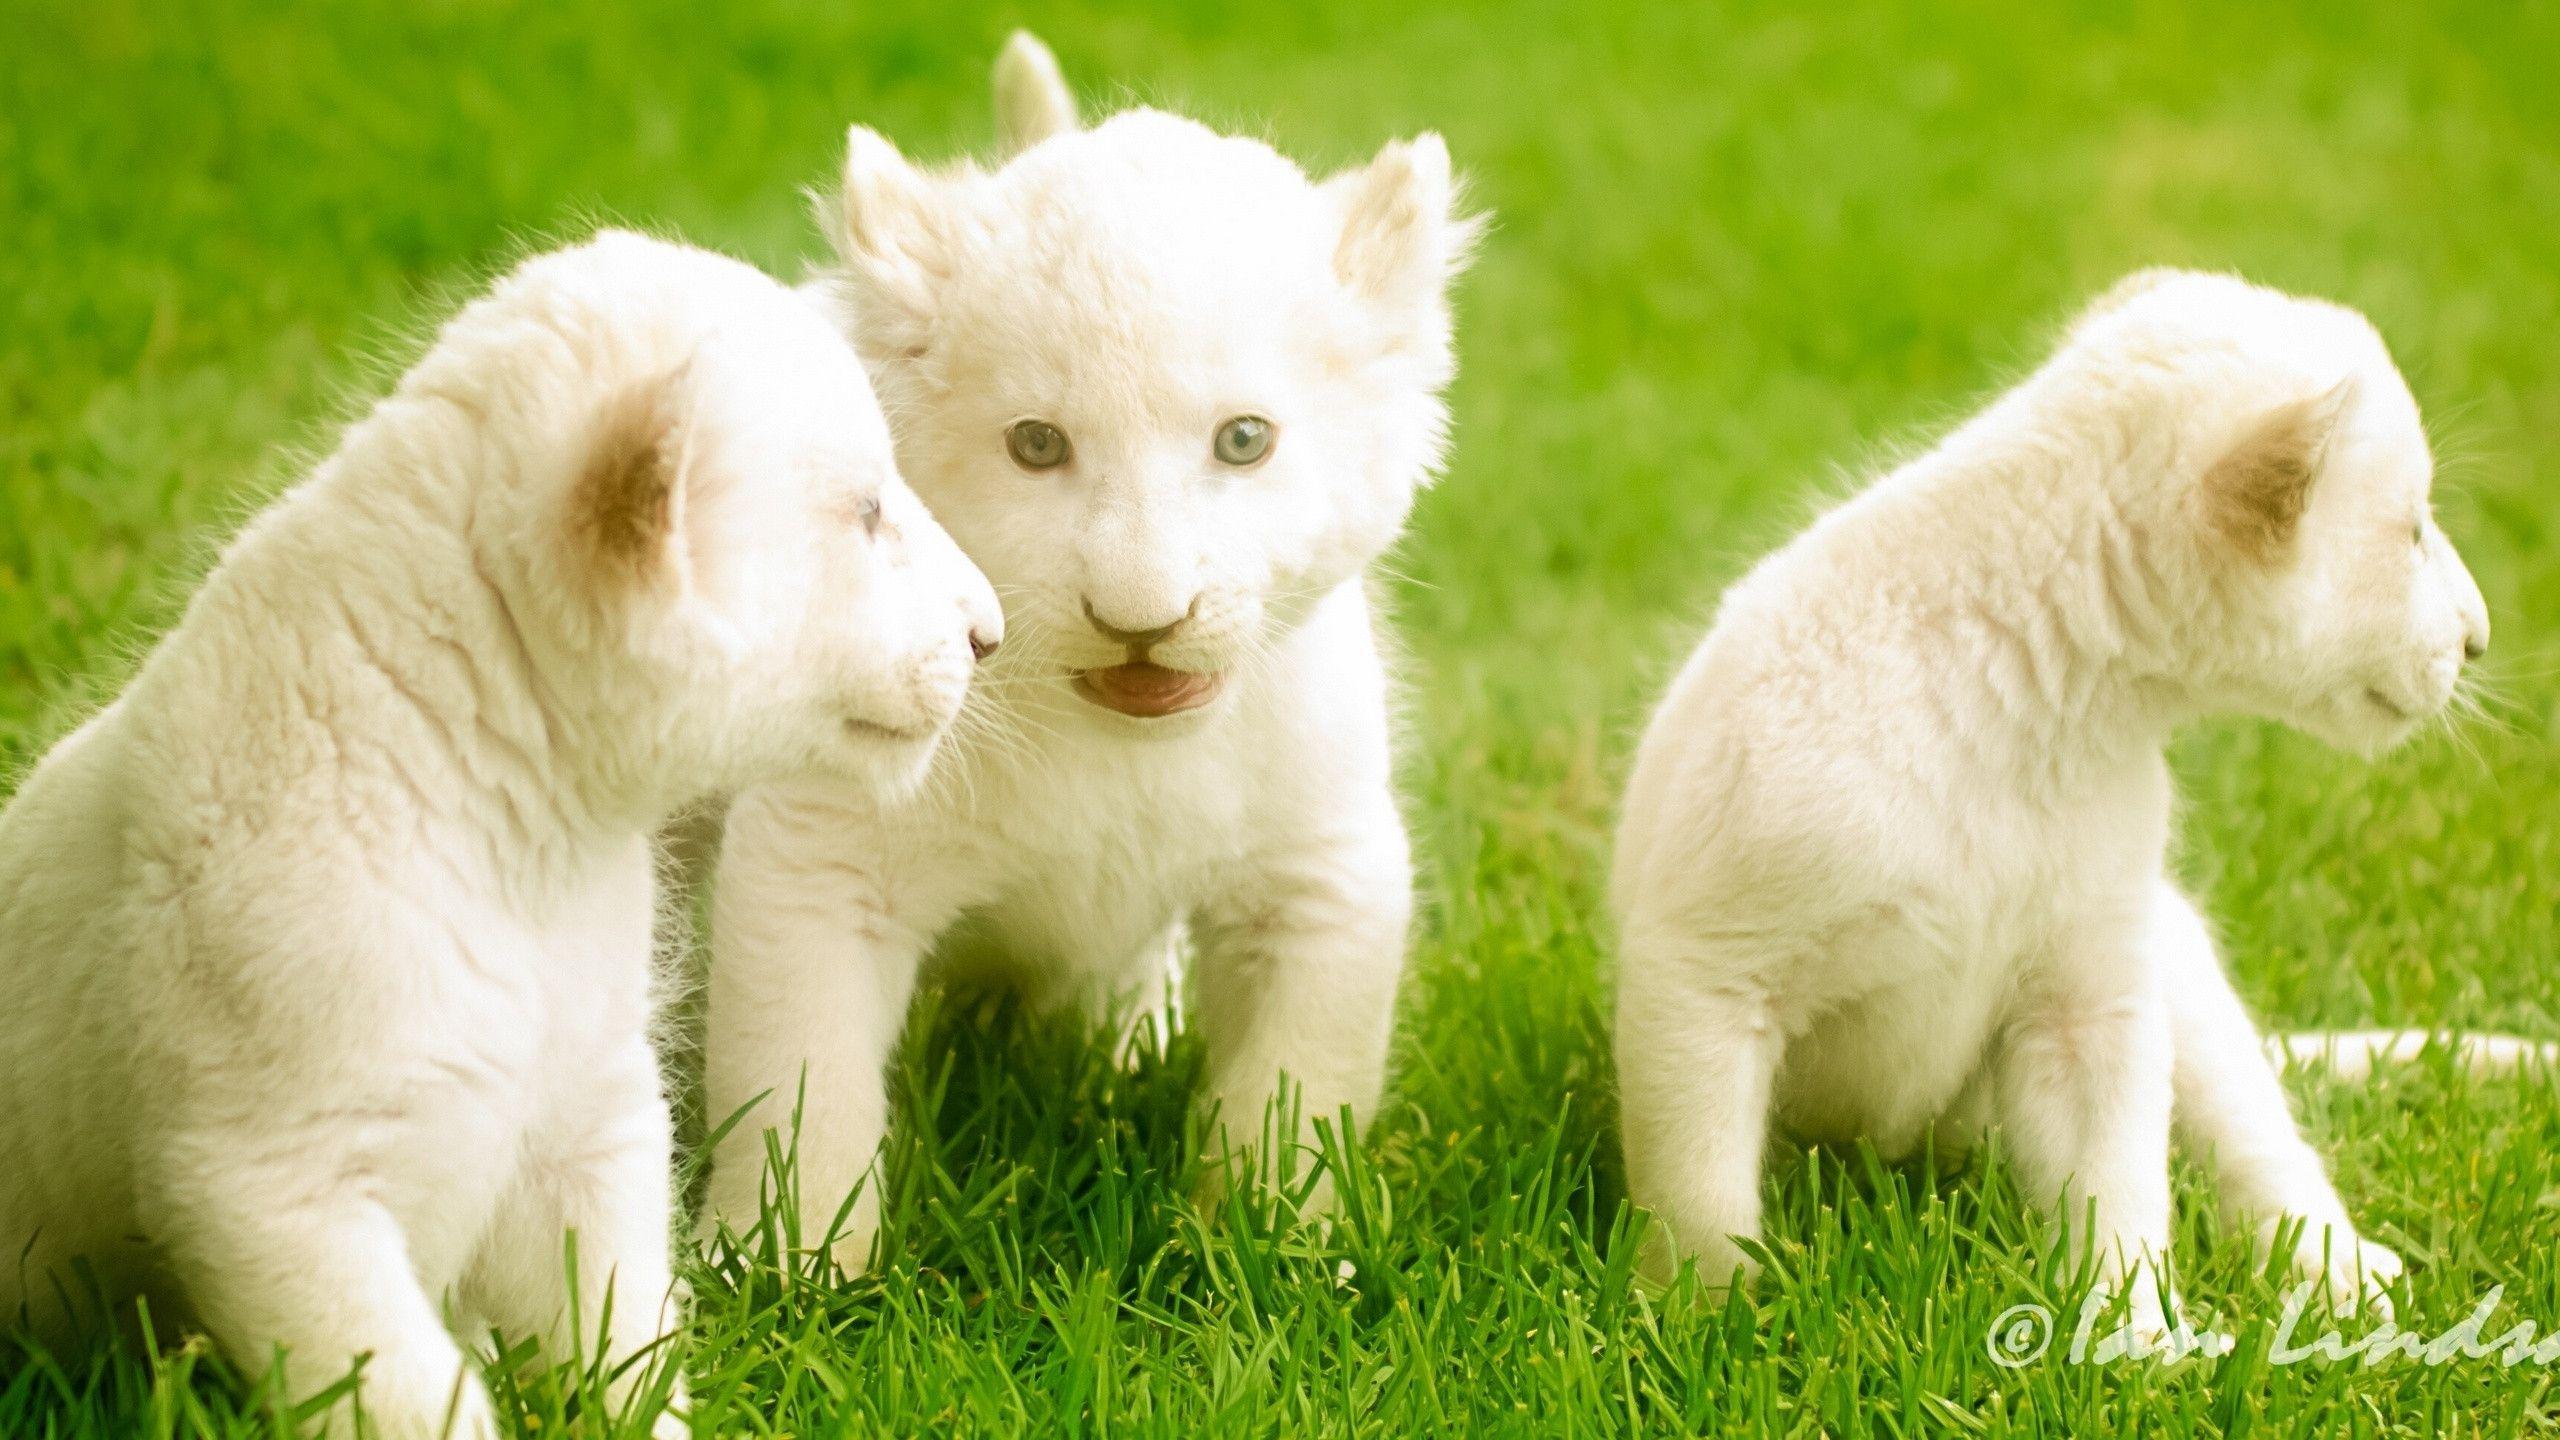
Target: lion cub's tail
(2353,1054)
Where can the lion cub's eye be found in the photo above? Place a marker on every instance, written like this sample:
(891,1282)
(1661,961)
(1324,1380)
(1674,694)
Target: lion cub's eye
(2418,534)
(868,512)
(1037,445)
(1244,440)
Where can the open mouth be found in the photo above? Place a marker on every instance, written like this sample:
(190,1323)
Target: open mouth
(1148,691)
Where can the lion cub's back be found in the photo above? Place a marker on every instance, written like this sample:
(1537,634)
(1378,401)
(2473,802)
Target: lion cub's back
(1785,734)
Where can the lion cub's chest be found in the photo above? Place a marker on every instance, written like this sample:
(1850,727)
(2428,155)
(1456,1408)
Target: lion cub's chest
(1093,858)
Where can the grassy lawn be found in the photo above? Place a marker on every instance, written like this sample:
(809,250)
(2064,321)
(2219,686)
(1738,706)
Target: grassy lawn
(1742,253)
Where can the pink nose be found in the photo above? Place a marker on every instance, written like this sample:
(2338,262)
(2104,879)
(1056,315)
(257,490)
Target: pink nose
(982,644)
(1137,639)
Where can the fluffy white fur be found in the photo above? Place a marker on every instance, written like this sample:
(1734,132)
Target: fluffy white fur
(1135,285)
(326,946)
(1892,857)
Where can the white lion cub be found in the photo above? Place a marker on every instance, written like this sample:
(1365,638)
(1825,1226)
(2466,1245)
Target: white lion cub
(1174,397)
(326,946)
(1892,855)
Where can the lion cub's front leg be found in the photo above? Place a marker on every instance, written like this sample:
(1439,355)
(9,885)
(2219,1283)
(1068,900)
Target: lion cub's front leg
(812,969)
(2081,1081)
(2231,1107)
(1295,989)
(599,1191)
(1698,1056)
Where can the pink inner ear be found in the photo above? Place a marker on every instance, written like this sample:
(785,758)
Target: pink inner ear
(2258,490)
(1402,242)
(627,500)
(1387,241)
(892,238)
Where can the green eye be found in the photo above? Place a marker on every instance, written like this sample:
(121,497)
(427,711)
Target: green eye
(1037,445)
(1243,441)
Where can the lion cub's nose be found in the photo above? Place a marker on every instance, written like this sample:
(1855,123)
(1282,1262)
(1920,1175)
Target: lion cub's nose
(2474,646)
(981,643)
(1137,638)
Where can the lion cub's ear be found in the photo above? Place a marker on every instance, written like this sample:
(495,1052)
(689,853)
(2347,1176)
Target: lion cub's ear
(2256,493)
(889,225)
(631,503)
(1403,240)
(1032,98)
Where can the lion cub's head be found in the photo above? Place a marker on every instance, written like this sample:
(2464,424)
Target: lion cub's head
(2286,443)
(1166,390)
(705,541)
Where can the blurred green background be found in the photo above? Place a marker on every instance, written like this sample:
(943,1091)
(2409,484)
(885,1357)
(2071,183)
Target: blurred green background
(1742,255)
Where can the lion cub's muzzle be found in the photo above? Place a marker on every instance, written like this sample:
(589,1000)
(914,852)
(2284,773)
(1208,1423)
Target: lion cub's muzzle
(1141,687)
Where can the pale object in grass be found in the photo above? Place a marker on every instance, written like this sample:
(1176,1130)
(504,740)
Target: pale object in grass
(1176,398)
(1892,857)
(327,944)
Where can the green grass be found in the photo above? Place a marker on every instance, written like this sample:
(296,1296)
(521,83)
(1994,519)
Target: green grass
(1742,251)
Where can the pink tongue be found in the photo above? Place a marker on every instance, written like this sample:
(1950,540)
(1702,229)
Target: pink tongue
(1144,689)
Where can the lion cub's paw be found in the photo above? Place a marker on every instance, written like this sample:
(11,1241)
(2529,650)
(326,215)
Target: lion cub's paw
(2355,1272)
